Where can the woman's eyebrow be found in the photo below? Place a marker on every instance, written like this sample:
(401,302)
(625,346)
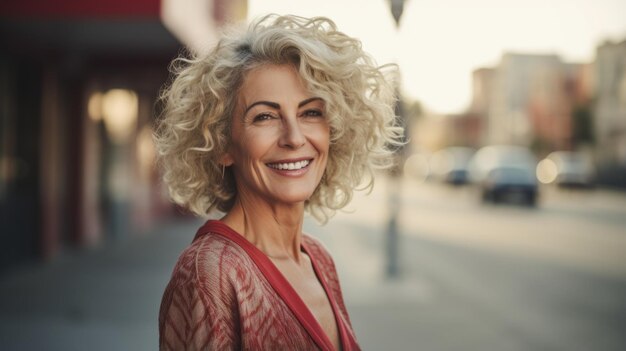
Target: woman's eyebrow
(276,106)
(268,103)
(304,102)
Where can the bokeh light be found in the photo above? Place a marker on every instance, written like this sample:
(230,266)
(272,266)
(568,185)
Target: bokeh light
(546,171)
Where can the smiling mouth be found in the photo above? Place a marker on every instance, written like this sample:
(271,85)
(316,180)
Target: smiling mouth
(290,166)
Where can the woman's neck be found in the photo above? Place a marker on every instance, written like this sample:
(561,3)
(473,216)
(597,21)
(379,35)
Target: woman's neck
(275,229)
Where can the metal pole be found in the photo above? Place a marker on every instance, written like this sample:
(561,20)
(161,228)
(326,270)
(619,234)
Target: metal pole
(392,237)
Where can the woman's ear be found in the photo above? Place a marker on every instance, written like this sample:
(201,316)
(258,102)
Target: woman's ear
(227,159)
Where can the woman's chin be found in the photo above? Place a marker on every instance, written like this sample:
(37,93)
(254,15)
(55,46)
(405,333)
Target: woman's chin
(292,198)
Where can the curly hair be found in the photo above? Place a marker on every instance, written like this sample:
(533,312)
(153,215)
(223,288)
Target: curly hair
(193,130)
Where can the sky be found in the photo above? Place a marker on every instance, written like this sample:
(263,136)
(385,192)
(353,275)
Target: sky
(440,42)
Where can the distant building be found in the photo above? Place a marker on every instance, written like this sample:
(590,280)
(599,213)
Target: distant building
(528,99)
(610,107)
(579,82)
(463,129)
(516,76)
(482,98)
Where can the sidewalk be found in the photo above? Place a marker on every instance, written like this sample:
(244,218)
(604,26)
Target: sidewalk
(103,299)
(108,298)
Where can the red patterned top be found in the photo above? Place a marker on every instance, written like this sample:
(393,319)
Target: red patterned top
(225,294)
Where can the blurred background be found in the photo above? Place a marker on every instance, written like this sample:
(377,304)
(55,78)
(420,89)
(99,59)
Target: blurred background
(503,228)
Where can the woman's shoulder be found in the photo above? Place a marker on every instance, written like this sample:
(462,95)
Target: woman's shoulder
(203,285)
(210,256)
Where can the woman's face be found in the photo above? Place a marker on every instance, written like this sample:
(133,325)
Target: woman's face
(280,137)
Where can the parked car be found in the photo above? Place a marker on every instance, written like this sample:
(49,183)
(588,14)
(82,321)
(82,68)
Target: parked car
(566,169)
(505,173)
(451,165)
(511,185)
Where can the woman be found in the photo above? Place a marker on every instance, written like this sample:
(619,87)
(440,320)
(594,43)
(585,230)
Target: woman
(286,117)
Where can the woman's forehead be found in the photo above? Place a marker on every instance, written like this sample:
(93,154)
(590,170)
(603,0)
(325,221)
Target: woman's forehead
(274,83)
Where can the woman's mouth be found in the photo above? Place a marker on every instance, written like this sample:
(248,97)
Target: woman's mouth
(290,166)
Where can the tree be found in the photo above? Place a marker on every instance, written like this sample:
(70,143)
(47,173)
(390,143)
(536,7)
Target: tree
(582,125)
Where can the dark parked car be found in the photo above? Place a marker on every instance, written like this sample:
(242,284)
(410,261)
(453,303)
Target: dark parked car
(450,165)
(505,173)
(511,185)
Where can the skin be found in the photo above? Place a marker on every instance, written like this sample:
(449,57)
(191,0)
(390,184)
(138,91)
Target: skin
(278,121)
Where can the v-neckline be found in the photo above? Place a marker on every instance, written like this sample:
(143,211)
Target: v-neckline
(283,288)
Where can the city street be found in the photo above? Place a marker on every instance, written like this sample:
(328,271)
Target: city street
(111,109)
(472,277)
(485,277)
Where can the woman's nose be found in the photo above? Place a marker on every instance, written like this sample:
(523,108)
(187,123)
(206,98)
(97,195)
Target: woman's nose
(292,136)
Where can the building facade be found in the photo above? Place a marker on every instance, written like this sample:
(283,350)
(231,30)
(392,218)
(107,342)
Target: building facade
(79,83)
(610,111)
(530,100)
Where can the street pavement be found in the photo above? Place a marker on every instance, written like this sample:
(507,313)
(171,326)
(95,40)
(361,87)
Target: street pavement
(484,277)
(100,299)
(472,277)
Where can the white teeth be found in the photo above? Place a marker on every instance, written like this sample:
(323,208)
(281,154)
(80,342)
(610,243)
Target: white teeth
(290,166)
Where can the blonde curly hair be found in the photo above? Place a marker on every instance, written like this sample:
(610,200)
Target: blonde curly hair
(193,131)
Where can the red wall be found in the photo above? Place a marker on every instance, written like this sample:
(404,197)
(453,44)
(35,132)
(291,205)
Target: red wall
(80,8)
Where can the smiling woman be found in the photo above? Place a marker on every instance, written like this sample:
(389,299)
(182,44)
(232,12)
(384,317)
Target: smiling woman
(287,116)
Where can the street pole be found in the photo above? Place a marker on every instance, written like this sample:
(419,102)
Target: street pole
(395,178)
(397,7)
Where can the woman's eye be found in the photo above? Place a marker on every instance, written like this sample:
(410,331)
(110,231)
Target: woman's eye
(262,117)
(313,113)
